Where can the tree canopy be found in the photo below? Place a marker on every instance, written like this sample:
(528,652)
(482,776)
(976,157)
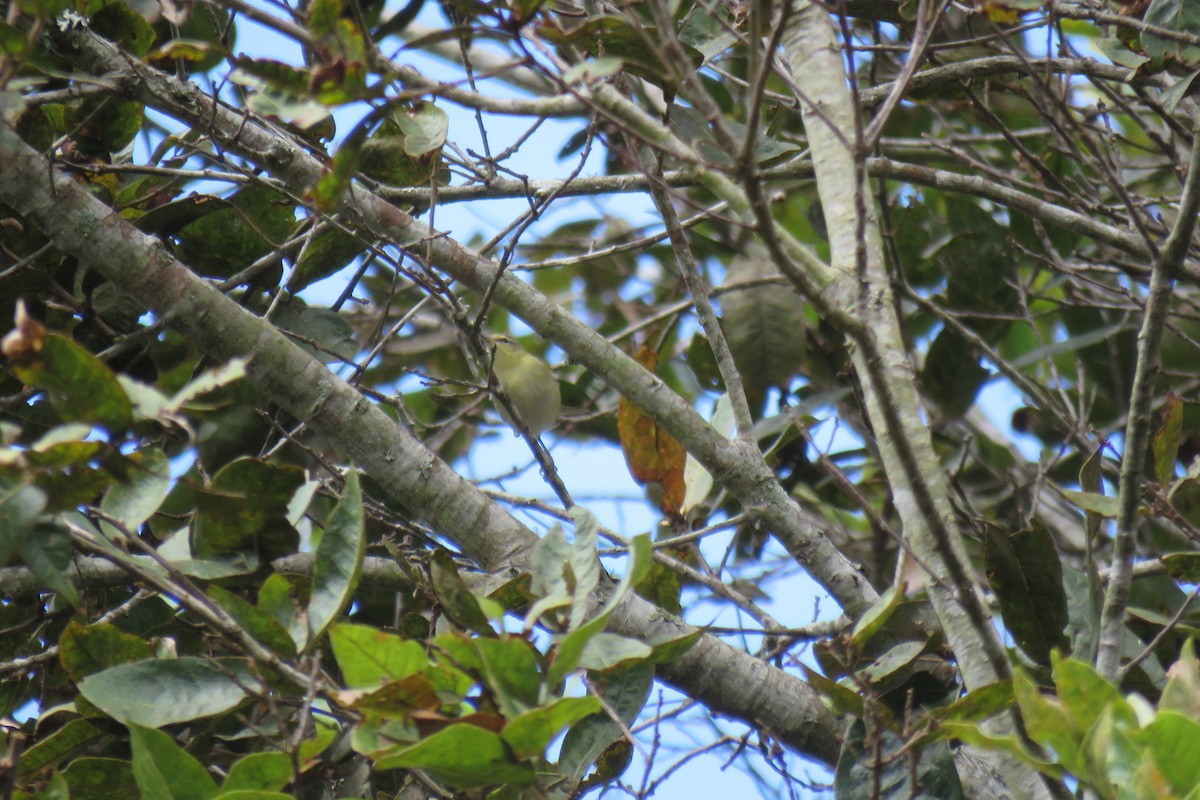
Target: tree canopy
(898,296)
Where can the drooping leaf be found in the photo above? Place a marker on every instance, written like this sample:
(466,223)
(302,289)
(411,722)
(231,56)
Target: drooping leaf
(764,323)
(652,454)
(1026,575)
(456,599)
(1166,439)
(339,559)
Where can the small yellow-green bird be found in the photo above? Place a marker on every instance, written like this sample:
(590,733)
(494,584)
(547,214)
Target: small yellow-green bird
(529,384)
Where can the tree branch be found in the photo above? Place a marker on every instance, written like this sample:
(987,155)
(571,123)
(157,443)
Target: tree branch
(714,673)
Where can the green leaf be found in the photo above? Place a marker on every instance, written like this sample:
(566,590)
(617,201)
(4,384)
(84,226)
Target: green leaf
(1175,15)
(892,661)
(952,375)
(1084,695)
(256,622)
(121,24)
(1167,438)
(455,598)
(259,772)
(841,698)
(979,705)
(104,125)
(587,72)
(80,386)
(339,560)
(877,616)
(1183,566)
(585,563)
(569,648)
(20,507)
(425,128)
(277,597)
(87,649)
(134,500)
(625,692)
(1182,692)
(1094,502)
(208,381)
(550,556)
(47,553)
(59,746)
(1047,724)
(257,221)
(606,651)
(1025,573)
(164,771)
(323,16)
(101,779)
(530,733)
(160,692)
(615,37)
(327,253)
(878,768)
(369,657)
(511,670)
(1174,738)
(245,510)
(463,756)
